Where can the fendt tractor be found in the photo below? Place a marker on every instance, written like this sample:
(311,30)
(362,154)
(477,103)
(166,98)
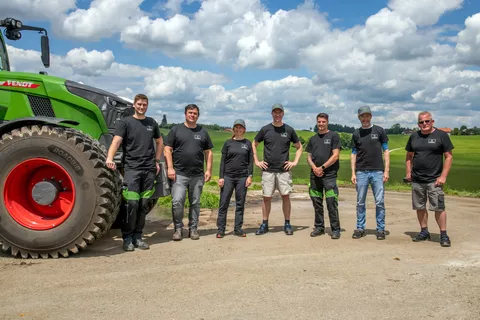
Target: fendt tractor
(56,194)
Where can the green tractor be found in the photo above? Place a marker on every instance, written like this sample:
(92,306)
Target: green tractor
(57,196)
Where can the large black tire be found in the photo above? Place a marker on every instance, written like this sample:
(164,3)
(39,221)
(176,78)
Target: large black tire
(97,198)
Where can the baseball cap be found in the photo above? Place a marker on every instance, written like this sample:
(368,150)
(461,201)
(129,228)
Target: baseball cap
(364,109)
(277,106)
(240,122)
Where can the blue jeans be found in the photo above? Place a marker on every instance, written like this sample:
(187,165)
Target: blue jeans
(375,178)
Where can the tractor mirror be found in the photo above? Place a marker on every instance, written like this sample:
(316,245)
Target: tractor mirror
(45,51)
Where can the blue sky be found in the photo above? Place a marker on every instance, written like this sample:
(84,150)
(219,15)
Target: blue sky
(236,58)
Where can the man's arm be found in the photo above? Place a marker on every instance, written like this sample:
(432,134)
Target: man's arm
(408,165)
(260,164)
(353,164)
(209,156)
(159,152)
(117,141)
(386,173)
(312,165)
(289,165)
(167,150)
(447,164)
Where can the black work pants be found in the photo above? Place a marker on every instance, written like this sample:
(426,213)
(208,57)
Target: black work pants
(237,184)
(317,187)
(138,188)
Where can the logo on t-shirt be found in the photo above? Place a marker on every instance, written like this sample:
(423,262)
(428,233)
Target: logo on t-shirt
(284,134)
(244,146)
(374,136)
(197,137)
(327,141)
(432,140)
(149,128)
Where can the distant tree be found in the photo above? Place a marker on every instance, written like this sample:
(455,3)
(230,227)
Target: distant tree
(463,130)
(345,140)
(310,128)
(164,121)
(455,131)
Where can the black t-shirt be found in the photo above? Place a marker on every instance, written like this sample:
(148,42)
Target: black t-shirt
(237,159)
(428,152)
(368,143)
(321,147)
(276,149)
(188,146)
(137,144)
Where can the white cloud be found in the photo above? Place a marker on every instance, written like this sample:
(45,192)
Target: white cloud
(35,9)
(468,46)
(424,12)
(89,63)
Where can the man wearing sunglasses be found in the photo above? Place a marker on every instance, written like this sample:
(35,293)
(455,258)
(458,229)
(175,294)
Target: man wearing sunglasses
(369,151)
(428,173)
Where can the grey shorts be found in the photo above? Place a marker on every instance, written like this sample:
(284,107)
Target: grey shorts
(282,181)
(435,195)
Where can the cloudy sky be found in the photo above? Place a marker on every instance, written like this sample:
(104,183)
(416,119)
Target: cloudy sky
(235,58)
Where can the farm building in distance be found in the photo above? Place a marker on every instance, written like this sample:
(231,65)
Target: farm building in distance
(447,130)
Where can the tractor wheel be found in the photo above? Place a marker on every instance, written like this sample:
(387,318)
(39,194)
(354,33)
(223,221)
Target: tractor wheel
(57,195)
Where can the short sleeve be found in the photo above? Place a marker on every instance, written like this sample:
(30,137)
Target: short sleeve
(336,142)
(260,135)
(156,130)
(383,136)
(447,143)
(309,145)
(354,141)
(170,140)
(121,129)
(409,147)
(208,142)
(294,137)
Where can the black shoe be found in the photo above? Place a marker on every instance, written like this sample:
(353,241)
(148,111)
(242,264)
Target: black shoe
(262,230)
(220,233)
(445,241)
(239,233)
(288,229)
(317,232)
(380,235)
(336,235)
(128,245)
(140,244)
(358,233)
(422,236)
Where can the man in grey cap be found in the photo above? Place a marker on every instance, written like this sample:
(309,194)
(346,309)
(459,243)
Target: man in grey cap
(369,144)
(276,165)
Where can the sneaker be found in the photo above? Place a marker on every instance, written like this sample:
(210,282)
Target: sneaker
(178,235)
(358,233)
(288,229)
(220,234)
(262,229)
(140,244)
(239,233)
(193,234)
(317,232)
(336,234)
(128,245)
(445,241)
(422,236)
(380,235)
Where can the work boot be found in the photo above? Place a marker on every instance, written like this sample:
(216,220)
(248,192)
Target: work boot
(422,236)
(317,232)
(193,234)
(239,233)
(445,241)
(288,229)
(335,234)
(358,233)
(140,244)
(128,245)
(380,235)
(220,233)
(177,235)
(262,230)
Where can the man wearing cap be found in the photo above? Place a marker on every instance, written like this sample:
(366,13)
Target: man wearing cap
(369,143)
(276,165)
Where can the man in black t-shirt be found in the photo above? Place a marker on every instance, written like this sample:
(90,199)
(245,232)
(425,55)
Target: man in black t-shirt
(323,151)
(277,137)
(141,165)
(186,147)
(369,143)
(428,173)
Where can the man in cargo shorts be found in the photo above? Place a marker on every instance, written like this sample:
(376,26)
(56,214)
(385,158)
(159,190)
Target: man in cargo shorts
(276,166)
(428,173)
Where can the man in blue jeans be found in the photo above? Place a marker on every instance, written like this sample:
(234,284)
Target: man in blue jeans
(369,144)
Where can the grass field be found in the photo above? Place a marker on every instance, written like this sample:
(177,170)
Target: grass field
(464,177)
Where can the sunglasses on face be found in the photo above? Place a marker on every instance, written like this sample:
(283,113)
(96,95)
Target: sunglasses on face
(424,121)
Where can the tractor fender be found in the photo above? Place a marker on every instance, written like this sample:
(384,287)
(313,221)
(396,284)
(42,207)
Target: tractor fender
(9,125)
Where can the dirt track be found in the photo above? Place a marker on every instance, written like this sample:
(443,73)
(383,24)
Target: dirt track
(263,277)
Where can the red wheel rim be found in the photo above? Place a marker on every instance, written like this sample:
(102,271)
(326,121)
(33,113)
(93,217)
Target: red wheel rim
(22,206)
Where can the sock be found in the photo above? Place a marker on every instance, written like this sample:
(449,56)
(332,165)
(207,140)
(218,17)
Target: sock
(287,221)
(265,221)
(425,230)
(443,233)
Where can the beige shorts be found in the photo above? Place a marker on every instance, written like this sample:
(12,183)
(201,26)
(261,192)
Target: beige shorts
(281,181)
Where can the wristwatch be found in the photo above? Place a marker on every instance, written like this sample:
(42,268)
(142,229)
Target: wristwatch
(323,167)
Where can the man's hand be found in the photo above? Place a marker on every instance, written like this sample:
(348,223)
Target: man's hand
(289,165)
(354,179)
(221,182)
(386,176)
(111,164)
(248,183)
(158,167)
(440,181)
(208,175)
(408,177)
(318,171)
(171,174)
(261,164)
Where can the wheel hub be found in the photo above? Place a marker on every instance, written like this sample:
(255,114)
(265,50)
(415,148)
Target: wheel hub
(46,192)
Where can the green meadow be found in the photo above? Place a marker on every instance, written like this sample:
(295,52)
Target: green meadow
(464,177)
